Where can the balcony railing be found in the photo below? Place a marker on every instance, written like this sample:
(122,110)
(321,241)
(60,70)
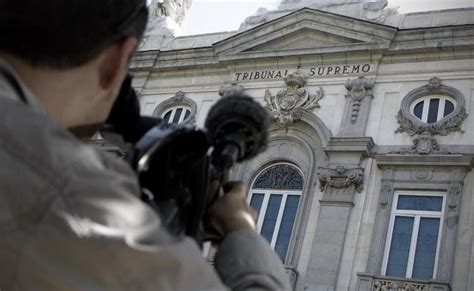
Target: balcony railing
(368,282)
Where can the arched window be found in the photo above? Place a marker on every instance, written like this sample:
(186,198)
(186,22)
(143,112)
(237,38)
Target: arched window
(432,108)
(178,109)
(275,195)
(177,114)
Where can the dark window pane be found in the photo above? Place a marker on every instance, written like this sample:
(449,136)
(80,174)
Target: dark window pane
(166,118)
(177,115)
(282,177)
(400,246)
(448,107)
(418,110)
(186,115)
(425,203)
(433,110)
(256,202)
(286,226)
(426,248)
(271,216)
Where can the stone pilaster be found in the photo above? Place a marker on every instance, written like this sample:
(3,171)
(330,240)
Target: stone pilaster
(356,110)
(340,181)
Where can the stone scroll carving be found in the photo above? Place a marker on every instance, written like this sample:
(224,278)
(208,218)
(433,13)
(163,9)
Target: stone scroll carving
(359,89)
(424,143)
(443,127)
(289,104)
(341,177)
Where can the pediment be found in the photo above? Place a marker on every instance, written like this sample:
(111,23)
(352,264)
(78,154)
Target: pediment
(306,31)
(305,39)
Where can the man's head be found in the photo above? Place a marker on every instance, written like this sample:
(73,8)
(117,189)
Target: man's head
(88,41)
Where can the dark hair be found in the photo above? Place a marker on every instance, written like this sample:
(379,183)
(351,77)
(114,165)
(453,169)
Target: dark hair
(67,33)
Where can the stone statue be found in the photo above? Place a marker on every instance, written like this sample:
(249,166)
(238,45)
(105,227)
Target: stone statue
(174,9)
(166,21)
(372,10)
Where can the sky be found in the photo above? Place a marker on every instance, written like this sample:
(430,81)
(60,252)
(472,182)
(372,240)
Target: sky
(208,16)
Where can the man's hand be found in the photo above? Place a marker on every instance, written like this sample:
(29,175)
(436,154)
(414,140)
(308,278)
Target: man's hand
(231,211)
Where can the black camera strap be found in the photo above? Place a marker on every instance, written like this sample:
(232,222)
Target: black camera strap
(15,84)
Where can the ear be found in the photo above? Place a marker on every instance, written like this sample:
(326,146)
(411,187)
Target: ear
(114,62)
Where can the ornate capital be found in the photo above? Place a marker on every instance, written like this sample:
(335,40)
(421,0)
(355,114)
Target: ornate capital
(340,177)
(359,89)
(289,104)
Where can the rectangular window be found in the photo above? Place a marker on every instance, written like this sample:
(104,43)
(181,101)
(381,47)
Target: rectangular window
(412,245)
(276,215)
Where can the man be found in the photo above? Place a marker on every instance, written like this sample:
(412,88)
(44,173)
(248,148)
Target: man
(70,216)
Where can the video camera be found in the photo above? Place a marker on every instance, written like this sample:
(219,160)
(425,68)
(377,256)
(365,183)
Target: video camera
(182,168)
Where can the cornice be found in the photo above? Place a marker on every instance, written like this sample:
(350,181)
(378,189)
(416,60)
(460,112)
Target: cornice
(394,160)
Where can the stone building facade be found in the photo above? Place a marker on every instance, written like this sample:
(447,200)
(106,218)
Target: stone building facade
(367,183)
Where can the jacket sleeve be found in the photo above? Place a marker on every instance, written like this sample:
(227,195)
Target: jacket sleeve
(97,235)
(246,261)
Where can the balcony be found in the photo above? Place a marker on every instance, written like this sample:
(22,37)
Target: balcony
(367,282)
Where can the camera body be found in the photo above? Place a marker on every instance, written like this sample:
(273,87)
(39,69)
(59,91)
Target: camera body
(182,168)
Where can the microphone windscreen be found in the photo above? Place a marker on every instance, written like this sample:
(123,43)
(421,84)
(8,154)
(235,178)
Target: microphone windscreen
(239,114)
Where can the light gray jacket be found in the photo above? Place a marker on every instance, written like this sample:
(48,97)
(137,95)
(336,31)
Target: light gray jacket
(70,219)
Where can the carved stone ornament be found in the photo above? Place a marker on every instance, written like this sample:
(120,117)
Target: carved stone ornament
(231,89)
(179,96)
(340,177)
(386,285)
(453,193)
(385,195)
(289,104)
(422,175)
(424,144)
(359,89)
(434,84)
(450,123)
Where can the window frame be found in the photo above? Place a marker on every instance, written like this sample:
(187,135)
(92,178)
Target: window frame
(285,193)
(173,110)
(178,100)
(417,215)
(426,102)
